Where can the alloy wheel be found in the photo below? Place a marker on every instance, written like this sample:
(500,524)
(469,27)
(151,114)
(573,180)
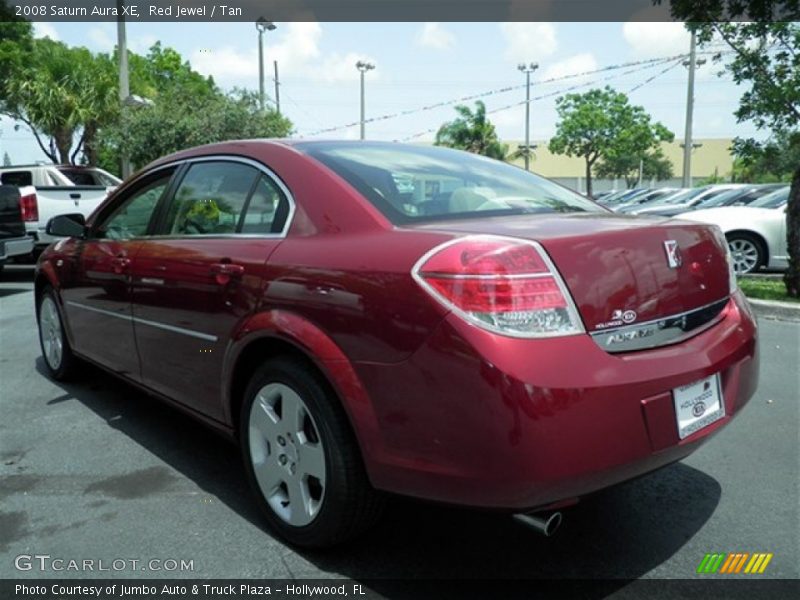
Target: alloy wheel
(50,333)
(746,255)
(287,454)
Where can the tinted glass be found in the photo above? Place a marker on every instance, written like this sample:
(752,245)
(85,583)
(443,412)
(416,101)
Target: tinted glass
(211,198)
(79,177)
(773,200)
(18,178)
(133,216)
(267,209)
(417,183)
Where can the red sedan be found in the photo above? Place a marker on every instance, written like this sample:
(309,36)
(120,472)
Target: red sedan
(368,317)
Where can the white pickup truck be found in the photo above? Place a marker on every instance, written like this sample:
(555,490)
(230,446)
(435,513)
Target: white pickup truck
(50,190)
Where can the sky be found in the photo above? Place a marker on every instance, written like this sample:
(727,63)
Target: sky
(420,64)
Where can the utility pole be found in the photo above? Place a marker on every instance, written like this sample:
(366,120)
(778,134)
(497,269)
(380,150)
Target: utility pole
(363,67)
(262,25)
(688,146)
(528,69)
(124,85)
(277,88)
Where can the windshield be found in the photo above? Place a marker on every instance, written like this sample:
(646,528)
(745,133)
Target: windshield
(684,196)
(774,200)
(417,183)
(721,199)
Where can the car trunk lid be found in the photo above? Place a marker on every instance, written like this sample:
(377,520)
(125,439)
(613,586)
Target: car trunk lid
(620,270)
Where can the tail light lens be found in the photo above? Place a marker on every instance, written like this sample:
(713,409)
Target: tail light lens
(29,207)
(505,285)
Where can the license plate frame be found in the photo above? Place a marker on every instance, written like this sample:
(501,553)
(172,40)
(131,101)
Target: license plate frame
(690,417)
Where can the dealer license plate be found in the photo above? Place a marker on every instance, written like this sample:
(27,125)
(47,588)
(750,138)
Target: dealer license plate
(697,405)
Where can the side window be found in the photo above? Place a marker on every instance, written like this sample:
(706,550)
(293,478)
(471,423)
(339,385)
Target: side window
(211,198)
(267,210)
(132,218)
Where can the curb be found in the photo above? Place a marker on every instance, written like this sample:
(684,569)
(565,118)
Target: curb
(781,311)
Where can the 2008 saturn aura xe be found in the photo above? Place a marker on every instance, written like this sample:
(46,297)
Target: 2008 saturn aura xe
(370,317)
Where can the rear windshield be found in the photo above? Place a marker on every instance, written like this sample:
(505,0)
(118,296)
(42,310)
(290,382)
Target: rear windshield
(418,183)
(17,178)
(773,200)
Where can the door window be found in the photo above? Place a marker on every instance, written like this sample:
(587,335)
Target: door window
(225,197)
(132,217)
(211,198)
(267,209)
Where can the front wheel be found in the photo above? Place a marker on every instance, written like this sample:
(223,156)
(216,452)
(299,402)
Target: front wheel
(58,358)
(747,252)
(302,459)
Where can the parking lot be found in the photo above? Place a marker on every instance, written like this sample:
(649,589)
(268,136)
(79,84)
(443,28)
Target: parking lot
(96,470)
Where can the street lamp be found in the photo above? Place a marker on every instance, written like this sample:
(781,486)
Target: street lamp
(527,69)
(262,25)
(363,67)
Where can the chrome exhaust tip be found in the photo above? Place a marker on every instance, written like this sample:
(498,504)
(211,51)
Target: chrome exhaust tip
(545,524)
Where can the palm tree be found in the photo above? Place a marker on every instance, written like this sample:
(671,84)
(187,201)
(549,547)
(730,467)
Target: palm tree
(472,132)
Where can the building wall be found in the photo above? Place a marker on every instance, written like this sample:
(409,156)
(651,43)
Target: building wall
(712,158)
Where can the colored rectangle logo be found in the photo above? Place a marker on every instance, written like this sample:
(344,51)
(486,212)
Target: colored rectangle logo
(734,563)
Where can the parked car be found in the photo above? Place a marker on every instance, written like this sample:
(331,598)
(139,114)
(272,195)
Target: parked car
(80,175)
(619,196)
(756,233)
(47,192)
(13,239)
(739,197)
(486,338)
(678,204)
(44,175)
(645,198)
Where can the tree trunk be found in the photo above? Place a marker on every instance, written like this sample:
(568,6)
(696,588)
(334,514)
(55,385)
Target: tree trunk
(792,276)
(588,178)
(63,141)
(89,148)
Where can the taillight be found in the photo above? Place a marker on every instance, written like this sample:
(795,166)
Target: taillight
(505,285)
(29,207)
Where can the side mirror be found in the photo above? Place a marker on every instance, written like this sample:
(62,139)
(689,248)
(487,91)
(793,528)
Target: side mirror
(71,225)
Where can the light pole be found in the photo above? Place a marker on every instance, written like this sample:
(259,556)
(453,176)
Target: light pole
(262,25)
(688,146)
(687,151)
(363,67)
(124,86)
(527,69)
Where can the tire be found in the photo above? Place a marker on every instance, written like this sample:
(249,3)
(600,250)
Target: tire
(747,251)
(302,459)
(60,362)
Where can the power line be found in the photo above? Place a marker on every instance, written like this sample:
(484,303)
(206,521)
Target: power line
(565,90)
(640,63)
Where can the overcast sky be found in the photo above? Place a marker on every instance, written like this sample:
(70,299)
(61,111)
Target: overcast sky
(419,64)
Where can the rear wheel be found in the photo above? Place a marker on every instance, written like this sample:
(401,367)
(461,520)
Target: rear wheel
(58,358)
(747,252)
(302,459)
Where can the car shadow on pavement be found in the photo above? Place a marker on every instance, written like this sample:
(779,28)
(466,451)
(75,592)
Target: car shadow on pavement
(618,534)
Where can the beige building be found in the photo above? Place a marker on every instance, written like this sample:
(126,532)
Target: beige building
(713,157)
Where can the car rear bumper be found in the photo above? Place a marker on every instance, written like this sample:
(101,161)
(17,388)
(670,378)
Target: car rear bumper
(15,247)
(477,419)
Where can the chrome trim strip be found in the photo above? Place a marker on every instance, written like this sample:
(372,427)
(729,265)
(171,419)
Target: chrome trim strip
(190,332)
(657,332)
(100,310)
(436,275)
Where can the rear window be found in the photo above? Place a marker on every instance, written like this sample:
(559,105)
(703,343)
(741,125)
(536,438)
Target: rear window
(773,200)
(17,178)
(417,183)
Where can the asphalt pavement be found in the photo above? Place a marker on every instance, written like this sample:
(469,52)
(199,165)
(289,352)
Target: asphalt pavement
(97,470)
